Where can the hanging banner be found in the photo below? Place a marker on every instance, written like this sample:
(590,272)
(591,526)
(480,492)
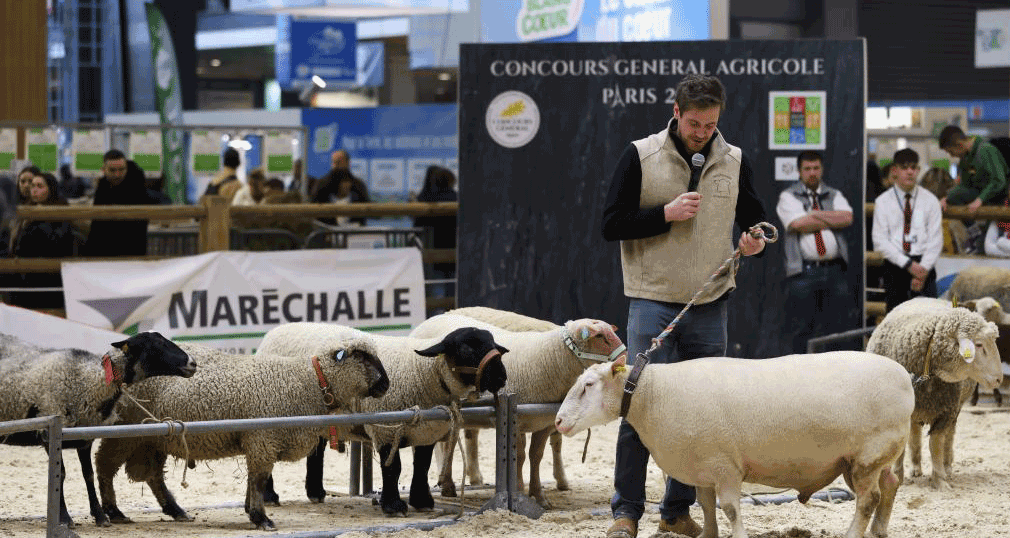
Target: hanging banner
(278,147)
(42,149)
(48,331)
(169,98)
(307,49)
(229,300)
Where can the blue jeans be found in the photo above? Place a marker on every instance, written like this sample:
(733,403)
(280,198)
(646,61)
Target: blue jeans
(819,301)
(700,333)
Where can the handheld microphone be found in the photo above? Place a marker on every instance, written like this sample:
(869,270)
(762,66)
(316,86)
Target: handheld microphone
(697,161)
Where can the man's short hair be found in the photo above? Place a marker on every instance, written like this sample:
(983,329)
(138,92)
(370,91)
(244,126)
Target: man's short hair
(230,158)
(699,92)
(951,135)
(808,156)
(112,155)
(906,156)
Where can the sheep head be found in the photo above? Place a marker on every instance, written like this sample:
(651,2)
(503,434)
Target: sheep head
(594,341)
(972,354)
(354,370)
(989,308)
(473,357)
(150,354)
(594,399)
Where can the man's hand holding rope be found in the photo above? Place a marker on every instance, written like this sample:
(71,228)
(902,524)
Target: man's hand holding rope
(750,244)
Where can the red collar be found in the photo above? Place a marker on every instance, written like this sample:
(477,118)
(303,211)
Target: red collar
(110,371)
(328,399)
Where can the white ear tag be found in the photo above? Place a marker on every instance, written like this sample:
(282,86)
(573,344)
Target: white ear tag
(967,350)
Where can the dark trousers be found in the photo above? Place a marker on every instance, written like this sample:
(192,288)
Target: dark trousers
(700,333)
(819,301)
(898,284)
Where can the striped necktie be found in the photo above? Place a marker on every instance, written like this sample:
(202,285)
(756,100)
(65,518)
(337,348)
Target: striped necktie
(818,238)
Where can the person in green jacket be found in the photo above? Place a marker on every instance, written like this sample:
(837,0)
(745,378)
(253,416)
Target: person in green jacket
(982,172)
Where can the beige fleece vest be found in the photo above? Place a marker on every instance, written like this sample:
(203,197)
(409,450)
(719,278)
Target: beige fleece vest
(673,266)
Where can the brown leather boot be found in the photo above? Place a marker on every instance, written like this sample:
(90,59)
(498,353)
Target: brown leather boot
(682,524)
(623,527)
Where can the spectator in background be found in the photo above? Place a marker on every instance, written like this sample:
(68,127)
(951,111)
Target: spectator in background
(72,186)
(122,183)
(296,179)
(439,186)
(42,239)
(252,192)
(907,230)
(981,170)
(938,181)
(155,186)
(339,185)
(25,183)
(874,183)
(226,182)
(813,216)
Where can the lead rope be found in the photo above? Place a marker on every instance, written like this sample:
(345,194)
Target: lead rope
(642,359)
(172,424)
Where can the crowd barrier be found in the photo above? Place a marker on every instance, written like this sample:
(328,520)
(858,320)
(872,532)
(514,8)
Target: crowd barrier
(505,409)
(208,227)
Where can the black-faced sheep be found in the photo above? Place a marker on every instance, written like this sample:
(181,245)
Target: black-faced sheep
(82,387)
(715,422)
(239,387)
(541,368)
(942,347)
(466,360)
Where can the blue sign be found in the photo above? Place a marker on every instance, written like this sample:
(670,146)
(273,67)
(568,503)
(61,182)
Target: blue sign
(512,21)
(391,147)
(312,48)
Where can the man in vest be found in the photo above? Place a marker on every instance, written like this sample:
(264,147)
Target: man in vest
(818,294)
(672,203)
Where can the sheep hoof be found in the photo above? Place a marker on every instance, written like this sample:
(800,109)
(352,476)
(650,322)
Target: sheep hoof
(563,485)
(449,489)
(395,508)
(939,484)
(317,500)
(183,517)
(266,526)
(115,516)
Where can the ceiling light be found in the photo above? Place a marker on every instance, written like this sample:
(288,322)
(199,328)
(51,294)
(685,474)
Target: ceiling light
(215,62)
(444,76)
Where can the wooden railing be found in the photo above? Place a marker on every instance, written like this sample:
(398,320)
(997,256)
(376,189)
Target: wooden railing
(214,219)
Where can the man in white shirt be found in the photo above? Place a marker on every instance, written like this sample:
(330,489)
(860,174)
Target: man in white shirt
(907,230)
(819,297)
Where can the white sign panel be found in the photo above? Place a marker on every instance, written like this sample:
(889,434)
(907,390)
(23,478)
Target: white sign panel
(992,38)
(48,331)
(229,300)
(785,169)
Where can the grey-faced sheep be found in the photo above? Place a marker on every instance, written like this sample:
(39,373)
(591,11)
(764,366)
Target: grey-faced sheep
(715,422)
(942,347)
(238,387)
(80,386)
(466,360)
(982,281)
(541,368)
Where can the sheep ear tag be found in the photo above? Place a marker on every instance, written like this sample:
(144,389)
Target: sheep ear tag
(339,357)
(619,365)
(967,350)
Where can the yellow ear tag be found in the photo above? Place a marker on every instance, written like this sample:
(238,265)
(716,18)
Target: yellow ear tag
(620,369)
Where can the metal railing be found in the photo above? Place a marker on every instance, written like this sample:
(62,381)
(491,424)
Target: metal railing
(505,410)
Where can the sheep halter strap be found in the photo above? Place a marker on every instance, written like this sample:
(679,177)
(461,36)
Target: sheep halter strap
(328,399)
(594,357)
(479,370)
(642,359)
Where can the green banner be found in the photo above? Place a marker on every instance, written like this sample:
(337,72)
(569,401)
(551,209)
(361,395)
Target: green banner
(169,97)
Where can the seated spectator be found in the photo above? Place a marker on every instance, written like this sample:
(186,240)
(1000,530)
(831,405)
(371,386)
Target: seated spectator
(938,181)
(226,182)
(295,185)
(25,183)
(156,190)
(42,239)
(72,186)
(997,239)
(252,192)
(273,189)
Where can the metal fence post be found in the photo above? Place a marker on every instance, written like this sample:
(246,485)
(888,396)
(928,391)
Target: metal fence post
(354,488)
(54,527)
(506,497)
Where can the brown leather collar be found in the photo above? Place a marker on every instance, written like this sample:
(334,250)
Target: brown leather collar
(479,370)
(632,382)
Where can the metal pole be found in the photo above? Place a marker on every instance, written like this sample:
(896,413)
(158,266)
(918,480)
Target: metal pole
(355,487)
(366,469)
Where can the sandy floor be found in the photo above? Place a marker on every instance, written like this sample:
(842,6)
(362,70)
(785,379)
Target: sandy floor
(978,504)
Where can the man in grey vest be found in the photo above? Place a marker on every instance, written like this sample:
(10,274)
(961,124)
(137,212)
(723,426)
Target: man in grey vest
(672,203)
(818,294)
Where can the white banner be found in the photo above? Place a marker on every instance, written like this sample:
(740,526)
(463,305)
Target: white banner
(48,331)
(229,300)
(992,38)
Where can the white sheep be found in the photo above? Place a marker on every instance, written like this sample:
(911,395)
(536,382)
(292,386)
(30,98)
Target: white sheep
(466,360)
(541,367)
(239,387)
(982,281)
(942,347)
(714,422)
(80,386)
